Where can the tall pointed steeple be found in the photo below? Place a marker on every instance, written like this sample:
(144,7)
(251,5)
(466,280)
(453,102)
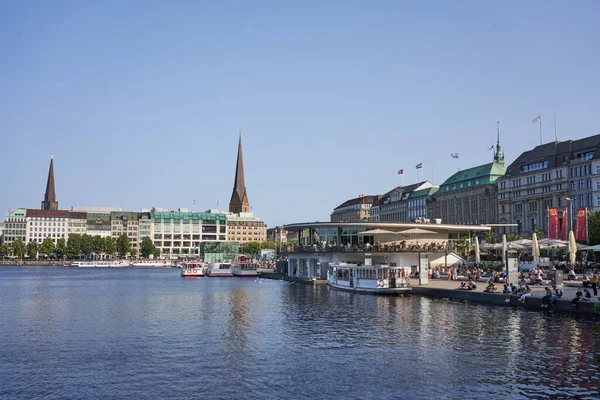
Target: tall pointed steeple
(49,202)
(239,197)
(499,155)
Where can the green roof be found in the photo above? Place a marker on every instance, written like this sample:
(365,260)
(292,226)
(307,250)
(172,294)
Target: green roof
(188,216)
(417,194)
(482,175)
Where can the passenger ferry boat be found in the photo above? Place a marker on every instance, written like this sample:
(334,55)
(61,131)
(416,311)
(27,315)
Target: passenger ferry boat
(244,268)
(152,263)
(384,279)
(193,269)
(101,264)
(219,270)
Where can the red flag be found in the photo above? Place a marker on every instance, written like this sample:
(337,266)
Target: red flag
(564,225)
(552,223)
(361,195)
(400,171)
(581,224)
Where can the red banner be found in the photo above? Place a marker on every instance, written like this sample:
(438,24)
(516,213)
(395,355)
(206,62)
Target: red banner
(564,225)
(553,223)
(581,225)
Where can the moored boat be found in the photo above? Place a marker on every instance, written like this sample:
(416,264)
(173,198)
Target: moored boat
(152,263)
(101,264)
(244,268)
(219,270)
(193,269)
(376,279)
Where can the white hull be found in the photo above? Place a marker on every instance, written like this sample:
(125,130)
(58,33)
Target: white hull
(101,264)
(219,270)
(370,290)
(193,270)
(152,264)
(244,269)
(374,279)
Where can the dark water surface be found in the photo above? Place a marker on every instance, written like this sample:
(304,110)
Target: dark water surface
(69,333)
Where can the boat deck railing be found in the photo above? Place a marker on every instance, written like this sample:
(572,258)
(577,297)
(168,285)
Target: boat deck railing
(400,247)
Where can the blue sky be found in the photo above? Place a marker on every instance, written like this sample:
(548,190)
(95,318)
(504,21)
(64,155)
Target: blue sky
(141,101)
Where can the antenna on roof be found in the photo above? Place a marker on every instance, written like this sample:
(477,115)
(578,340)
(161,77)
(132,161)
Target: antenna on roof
(555,134)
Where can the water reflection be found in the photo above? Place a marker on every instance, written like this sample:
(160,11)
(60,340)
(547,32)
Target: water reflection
(149,334)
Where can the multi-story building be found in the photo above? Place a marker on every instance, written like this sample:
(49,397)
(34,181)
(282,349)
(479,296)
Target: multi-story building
(277,234)
(470,196)
(394,205)
(549,176)
(15,226)
(77,223)
(1,232)
(47,223)
(98,219)
(246,227)
(354,210)
(180,233)
(126,223)
(417,203)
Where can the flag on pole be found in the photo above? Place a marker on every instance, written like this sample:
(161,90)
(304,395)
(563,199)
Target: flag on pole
(537,119)
(361,195)
(419,166)
(491,148)
(400,171)
(454,155)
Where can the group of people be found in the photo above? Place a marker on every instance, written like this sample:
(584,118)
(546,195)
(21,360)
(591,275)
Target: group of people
(470,285)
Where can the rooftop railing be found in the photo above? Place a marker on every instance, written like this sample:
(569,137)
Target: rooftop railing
(392,247)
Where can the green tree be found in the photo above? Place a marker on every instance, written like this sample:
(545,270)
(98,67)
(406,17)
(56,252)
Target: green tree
(4,250)
(250,248)
(87,245)
(510,237)
(123,245)
(32,250)
(98,244)
(490,237)
(48,247)
(593,228)
(147,247)
(539,234)
(74,245)
(110,246)
(156,252)
(18,248)
(61,247)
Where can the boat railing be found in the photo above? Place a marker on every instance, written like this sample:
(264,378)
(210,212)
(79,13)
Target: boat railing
(393,247)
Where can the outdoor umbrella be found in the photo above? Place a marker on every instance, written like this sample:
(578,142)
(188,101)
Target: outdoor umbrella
(504,250)
(535,250)
(375,232)
(572,247)
(477,255)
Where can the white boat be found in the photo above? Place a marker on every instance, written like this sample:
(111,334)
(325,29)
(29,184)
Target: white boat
(152,264)
(244,268)
(383,278)
(193,269)
(101,264)
(219,269)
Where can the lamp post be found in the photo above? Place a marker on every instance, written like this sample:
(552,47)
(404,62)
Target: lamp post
(570,216)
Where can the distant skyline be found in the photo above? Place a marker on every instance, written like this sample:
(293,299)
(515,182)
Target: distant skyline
(141,102)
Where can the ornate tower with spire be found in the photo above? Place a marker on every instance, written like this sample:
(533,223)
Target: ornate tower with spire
(49,202)
(239,197)
(499,154)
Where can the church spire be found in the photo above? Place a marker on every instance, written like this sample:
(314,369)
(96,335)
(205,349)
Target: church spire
(499,155)
(239,197)
(49,202)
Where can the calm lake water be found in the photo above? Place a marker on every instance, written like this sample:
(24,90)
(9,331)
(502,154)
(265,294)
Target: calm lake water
(70,333)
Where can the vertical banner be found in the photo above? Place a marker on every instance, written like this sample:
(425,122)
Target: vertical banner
(564,225)
(553,223)
(581,225)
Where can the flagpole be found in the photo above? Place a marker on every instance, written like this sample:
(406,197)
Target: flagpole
(587,237)
(541,128)
(555,135)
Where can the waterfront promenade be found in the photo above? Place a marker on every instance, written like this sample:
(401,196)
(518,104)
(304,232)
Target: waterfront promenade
(447,289)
